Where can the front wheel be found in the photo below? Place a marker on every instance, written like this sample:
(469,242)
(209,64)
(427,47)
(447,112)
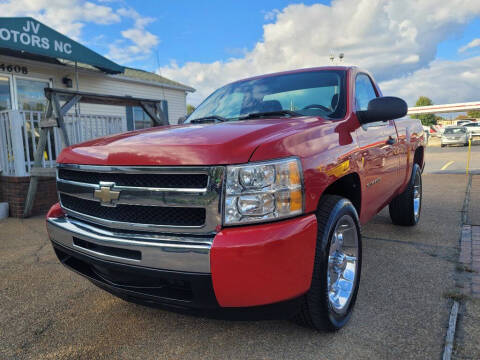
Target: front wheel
(405,208)
(329,303)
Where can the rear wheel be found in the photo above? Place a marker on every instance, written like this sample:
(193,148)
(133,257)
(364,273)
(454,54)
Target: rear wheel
(329,303)
(405,208)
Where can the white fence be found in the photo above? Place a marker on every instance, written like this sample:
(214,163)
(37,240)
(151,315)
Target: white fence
(19,134)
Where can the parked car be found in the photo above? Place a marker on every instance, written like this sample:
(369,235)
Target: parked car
(473,128)
(455,135)
(463,122)
(253,206)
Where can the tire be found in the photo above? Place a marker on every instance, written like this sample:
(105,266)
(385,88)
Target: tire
(443,145)
(335,215)
(405,209)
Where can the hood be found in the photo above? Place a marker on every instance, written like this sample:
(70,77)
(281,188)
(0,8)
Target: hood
(197,144)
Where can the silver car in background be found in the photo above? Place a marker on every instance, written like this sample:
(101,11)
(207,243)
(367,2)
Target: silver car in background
(455,135)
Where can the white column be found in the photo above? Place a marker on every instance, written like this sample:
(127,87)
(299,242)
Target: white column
(18,147)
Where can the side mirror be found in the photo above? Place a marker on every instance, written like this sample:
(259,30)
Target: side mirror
(383,109)
(181,120)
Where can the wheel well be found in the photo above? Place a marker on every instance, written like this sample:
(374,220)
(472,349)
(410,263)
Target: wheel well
(348,187)
(418,157)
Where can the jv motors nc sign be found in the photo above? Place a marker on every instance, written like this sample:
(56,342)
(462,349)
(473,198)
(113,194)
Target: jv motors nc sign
(29,35)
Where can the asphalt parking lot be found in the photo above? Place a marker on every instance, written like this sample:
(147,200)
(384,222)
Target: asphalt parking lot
(408,279)
(451,159)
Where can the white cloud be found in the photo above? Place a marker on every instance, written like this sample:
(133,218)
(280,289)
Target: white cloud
(140,42)
(270,15)
(67,17)
(442,81)
(390,38)
(70,16)
(472,44)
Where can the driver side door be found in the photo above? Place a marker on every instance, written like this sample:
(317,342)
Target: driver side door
(378,149)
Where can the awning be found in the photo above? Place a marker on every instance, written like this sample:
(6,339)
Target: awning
(29,35)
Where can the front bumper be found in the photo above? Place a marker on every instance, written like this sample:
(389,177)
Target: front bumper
(461,141)
(248,266)
(176,253)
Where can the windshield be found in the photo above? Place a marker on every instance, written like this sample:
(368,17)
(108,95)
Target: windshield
(458,130)
(310,93)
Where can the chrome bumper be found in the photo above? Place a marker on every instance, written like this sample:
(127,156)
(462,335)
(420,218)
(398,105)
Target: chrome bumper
(454,141)
(169,252)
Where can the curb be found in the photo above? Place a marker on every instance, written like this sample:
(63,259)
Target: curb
(449,339)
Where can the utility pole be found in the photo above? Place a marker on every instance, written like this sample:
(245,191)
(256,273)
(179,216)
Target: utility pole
(341,56)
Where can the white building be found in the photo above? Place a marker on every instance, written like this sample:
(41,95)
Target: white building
(34,56)
(23,89)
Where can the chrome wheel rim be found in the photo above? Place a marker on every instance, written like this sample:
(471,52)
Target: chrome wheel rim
(417,196)
(342,264)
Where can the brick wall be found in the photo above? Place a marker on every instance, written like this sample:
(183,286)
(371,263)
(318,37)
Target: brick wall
(14,191)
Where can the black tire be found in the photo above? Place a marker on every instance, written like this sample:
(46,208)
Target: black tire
(442,145)
(402,208)
(316,311)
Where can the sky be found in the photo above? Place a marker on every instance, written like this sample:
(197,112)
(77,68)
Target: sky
(412,47)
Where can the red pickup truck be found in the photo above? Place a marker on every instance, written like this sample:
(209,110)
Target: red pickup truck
(253,206)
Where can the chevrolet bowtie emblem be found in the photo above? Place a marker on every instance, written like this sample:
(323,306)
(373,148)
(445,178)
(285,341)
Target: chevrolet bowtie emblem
(106,195)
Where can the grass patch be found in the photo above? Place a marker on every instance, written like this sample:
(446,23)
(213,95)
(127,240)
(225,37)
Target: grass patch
(464,268)
(455,295)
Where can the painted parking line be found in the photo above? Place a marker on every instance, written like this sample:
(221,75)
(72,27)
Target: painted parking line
(447,165)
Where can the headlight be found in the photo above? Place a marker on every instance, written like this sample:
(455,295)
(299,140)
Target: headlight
(259,192)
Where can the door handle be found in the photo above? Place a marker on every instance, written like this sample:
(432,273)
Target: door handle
(391,140)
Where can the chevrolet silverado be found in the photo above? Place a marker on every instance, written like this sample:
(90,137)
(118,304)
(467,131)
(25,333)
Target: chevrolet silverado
(252,206)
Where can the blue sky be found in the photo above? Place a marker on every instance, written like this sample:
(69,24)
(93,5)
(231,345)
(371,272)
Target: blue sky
(193,30)
(412,47)
(447,49)
(218,30)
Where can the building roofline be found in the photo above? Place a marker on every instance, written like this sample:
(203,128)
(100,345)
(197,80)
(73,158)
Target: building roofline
(92,71)
(152,83)
(168,82)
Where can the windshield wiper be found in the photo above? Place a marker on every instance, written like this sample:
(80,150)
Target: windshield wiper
(208,118)
(268,113)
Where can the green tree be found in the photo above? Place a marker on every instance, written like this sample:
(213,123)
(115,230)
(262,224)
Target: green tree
(474,114)
(426,119)
(190,109)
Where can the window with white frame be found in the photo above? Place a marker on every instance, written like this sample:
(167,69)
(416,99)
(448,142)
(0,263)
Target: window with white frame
(5,97)
(30,94)
(140,119)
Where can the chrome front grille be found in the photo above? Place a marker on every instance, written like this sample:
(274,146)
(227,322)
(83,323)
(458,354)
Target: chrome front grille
(171,181)
(143,198)
(157,215)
